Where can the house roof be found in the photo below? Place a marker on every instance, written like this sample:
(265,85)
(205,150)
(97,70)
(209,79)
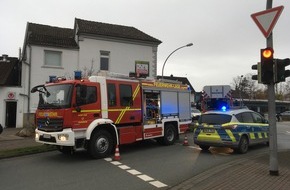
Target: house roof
(112,30)
(44,35)
(183,80)
(50,36)
(6,68)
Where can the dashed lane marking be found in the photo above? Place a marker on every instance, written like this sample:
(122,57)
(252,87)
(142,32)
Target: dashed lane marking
(158,184)
(145,177)
(124,167)
(136,173)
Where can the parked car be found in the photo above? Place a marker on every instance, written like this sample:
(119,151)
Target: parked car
(237,129)
(285,113)
(195,114)
(285,116)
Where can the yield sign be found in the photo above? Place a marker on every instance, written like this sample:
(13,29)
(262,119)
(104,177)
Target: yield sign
(267,19)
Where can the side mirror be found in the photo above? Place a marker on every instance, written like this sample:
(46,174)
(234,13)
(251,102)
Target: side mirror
(36,88)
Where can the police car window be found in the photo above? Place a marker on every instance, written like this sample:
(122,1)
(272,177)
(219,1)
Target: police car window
(239,117)
(215,118)
(257,118)
(247,117)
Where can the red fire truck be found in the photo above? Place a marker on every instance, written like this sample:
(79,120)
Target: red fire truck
(101,112)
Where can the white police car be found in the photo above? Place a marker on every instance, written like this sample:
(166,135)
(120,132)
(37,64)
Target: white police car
(237,129)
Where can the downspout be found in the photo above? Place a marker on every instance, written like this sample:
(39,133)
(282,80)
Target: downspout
(29,79)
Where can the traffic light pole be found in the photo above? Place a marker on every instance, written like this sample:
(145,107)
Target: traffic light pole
(272,114)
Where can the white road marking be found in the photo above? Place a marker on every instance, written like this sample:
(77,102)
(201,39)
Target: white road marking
(116,163)
(108,159)
(144,177)
(124,167)
(134,172)
(194,147)
(158,184)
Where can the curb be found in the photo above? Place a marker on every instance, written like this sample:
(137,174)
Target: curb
(245,173)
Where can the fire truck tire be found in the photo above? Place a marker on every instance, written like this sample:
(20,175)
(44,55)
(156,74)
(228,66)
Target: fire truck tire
(170,135)
(243,145)
(101,144)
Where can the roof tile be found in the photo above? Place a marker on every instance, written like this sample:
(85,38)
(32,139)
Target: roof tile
(51,36)
(112,30)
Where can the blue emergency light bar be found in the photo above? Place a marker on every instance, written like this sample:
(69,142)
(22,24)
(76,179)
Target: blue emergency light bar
(78,75)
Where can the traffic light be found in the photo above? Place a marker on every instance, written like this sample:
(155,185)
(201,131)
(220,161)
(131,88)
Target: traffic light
(279,70)
(258,75)
(267,65)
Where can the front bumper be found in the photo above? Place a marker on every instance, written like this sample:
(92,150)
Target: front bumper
(66,137)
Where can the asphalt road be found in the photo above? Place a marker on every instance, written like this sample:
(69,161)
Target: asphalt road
(144,165)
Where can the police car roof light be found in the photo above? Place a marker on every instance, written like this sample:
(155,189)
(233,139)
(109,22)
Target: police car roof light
(224,108)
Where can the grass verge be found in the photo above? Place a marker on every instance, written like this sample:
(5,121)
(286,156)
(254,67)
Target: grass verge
(25,151)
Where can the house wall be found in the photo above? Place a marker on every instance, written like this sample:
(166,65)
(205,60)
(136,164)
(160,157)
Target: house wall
(122,59)
(5,98)
(40,73)
(122,55)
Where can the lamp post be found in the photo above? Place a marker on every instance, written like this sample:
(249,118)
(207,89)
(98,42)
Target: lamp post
(187,45)
(240,90)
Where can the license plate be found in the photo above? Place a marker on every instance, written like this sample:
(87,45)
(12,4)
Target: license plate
(208,130)
(46,136)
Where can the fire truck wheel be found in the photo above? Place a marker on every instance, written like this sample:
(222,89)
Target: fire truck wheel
(101,144)
(170,135)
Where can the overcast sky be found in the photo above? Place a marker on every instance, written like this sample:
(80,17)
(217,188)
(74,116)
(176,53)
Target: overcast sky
(226,40)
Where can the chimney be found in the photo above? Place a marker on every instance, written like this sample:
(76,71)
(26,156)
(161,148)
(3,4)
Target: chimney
(4,57)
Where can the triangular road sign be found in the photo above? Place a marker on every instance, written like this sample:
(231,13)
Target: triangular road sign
(267,19)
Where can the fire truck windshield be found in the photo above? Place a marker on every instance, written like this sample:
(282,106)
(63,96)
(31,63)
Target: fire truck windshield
(55,96)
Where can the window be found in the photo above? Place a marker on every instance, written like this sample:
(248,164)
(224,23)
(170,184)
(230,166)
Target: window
(111,94)
(86,95)
(215,119)
(52,58)
(257,118)
(104,61)
(126,95)
(247,118)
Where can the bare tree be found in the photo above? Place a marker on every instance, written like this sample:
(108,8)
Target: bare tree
(244,86)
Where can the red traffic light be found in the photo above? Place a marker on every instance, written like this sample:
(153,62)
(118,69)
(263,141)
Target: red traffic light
(267,53)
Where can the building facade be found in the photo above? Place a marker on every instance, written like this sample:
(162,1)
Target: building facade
(89,47)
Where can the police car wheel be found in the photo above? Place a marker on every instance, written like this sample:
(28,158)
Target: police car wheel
(204,147)
(243,145)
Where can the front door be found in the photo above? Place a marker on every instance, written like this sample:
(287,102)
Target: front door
(11,108)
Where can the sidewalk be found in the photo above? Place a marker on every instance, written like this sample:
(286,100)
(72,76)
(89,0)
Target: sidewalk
(9,140)
(245,174)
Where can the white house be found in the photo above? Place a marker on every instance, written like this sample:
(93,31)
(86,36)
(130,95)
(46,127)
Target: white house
(88,47)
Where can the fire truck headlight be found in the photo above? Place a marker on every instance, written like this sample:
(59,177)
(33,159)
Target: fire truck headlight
(36,136)
(63,137)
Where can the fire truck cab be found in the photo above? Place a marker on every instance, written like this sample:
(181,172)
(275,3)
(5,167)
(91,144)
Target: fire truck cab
(102,111)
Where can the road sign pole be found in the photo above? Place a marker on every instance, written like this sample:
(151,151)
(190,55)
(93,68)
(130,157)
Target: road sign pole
(272,114)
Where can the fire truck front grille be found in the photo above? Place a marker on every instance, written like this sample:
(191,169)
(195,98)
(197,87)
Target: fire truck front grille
(50,125)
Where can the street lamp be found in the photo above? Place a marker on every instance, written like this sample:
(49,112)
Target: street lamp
(187,45)
(240,90)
